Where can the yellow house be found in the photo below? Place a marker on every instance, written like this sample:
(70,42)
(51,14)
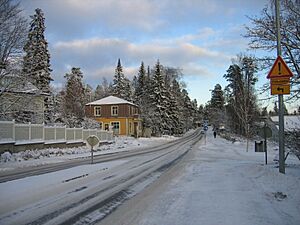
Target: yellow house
(122,116)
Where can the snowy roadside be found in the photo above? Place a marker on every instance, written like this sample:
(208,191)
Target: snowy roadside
(30,158)
(219,182)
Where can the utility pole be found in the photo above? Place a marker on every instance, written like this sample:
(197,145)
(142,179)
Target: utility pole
(280,97)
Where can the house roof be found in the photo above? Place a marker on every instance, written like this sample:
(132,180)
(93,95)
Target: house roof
(13,84)
(110,100)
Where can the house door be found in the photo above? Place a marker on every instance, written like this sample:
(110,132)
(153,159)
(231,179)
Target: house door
(135,129)
(106,126)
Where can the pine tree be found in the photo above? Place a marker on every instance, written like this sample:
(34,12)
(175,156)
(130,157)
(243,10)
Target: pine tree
(140,85)
(74,98)
(242,107)
(217,112)
(188,109)
(128,90)
(120,85)
(159,103)
(175,109)
(144,100)
(102,90)
(217,97)
(36,65)
(89,93)
(37,57)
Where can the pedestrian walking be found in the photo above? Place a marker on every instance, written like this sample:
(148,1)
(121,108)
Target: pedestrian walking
(215,134)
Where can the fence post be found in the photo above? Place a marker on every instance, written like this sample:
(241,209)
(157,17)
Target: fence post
(65,132)
(43,131)
(74,133)
(55,137)
(29,131)
(14,131)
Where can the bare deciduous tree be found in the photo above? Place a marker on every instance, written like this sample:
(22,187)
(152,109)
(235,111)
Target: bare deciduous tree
(262,35)
(13,29)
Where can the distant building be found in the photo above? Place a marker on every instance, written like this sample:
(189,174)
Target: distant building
(122,116)
(21,100)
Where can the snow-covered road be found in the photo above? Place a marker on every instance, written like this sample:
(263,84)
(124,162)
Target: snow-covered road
(67,195)
(218,183)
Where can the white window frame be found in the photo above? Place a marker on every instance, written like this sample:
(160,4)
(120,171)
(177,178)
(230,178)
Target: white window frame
(111,124)
(95,110)
(113,108)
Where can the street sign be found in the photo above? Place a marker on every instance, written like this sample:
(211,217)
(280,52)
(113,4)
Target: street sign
(92,140)
(281,89)
(279,69)
(265,132)
(280,81)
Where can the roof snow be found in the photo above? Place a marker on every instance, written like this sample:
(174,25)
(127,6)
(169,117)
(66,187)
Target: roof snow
(110,100)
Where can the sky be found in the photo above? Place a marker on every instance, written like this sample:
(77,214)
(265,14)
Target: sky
(200,37)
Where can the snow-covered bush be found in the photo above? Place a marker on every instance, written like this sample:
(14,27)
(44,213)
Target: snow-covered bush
(293,142)
(6,156)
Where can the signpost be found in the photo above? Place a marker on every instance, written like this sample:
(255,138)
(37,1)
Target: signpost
(280,75)
(92,140)
(265,132)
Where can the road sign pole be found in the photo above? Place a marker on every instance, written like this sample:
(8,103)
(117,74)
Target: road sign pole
(265,143)
(280,97)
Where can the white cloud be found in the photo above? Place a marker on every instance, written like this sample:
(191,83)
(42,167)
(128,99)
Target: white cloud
(97,57)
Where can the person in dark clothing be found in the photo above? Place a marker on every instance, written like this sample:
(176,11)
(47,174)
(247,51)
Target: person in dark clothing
(215,134)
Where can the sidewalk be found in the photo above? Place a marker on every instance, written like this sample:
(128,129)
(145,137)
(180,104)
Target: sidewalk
(218,183)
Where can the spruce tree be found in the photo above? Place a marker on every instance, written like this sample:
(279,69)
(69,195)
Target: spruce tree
(37,58)
(36,65)
(119,83)
(102,90)
(159,103)
(242,107)
(140,85)
(74,98)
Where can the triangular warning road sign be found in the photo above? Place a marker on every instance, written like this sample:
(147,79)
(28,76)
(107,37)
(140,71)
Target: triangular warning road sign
(279,69)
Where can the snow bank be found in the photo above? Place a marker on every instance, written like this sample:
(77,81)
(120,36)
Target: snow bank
(54,155)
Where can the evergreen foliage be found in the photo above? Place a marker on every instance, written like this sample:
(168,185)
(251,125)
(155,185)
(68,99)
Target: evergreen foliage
(158,103)
(74,98)
(102,90)
(216,107)
(121,86)
(241,102)
(36,65)
(37,58)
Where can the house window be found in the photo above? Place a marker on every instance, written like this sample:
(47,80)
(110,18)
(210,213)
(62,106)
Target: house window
(100,125)
(129,110)
(114,110)
(134,110)
(115,127)
(97,111)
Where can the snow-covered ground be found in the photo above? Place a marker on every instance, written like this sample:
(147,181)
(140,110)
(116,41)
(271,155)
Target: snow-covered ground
(219,182)
(27,199)
(291,122)
(54,155)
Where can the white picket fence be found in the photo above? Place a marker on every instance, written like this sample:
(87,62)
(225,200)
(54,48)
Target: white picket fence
(11,132)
